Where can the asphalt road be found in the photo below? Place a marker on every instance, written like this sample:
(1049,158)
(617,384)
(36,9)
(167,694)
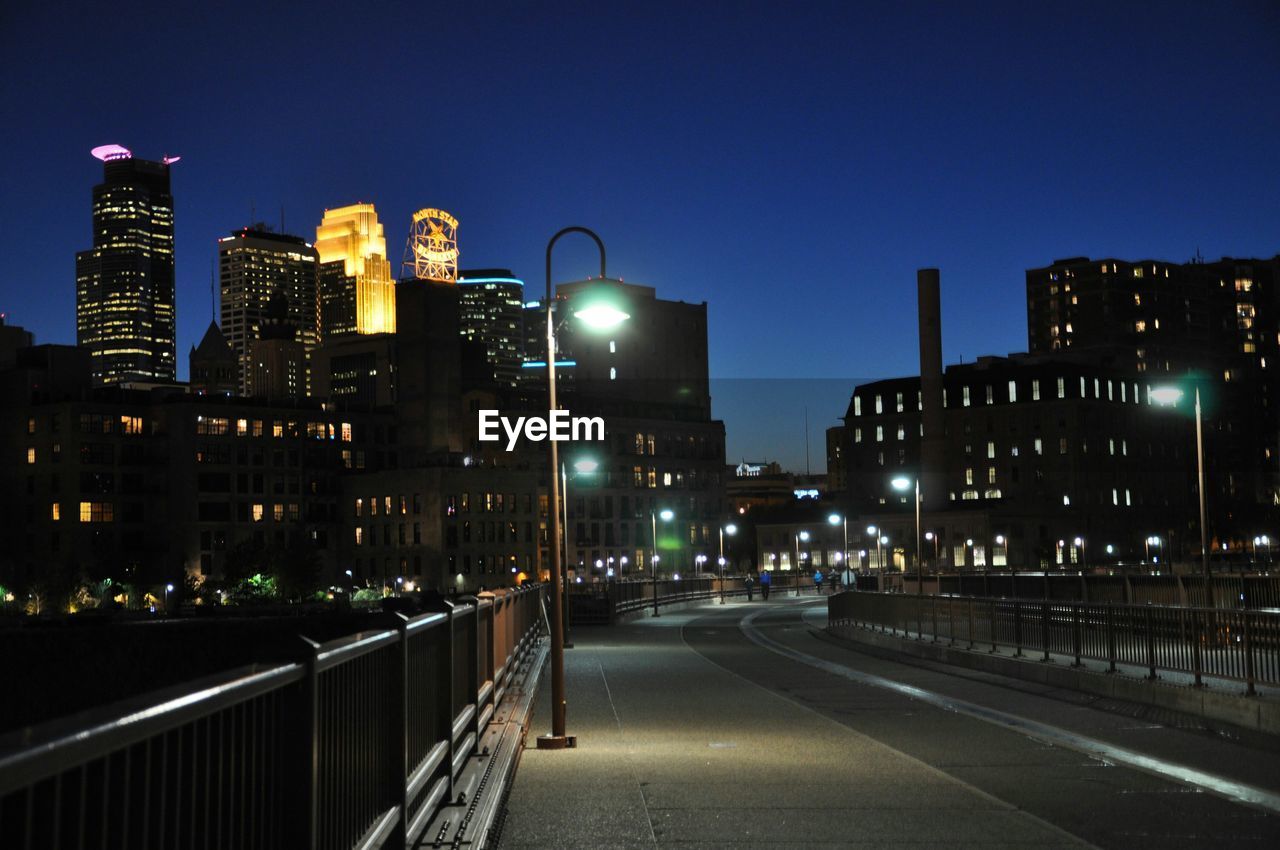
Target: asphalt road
(744,726)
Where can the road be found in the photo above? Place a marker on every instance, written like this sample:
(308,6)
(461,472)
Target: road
(745,726)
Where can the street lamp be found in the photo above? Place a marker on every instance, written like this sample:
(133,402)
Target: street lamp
(799,535)
(1079,542)
(1000,541)
(902,484)
(168,588)
(666,515)
(1169,397)
(843,522)
(593,317)
(929,535)
(873,529)
(731,530)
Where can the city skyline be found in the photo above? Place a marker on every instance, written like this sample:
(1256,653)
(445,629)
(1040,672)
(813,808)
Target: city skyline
(851,188)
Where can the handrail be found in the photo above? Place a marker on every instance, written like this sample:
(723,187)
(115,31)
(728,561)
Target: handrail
(357,744)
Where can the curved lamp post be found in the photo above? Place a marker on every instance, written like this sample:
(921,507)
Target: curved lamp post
(902,484)
(557,739)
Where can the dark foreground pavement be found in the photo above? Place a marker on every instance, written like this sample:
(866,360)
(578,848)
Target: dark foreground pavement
(691,732)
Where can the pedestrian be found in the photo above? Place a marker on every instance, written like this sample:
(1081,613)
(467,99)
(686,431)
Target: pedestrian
(750,582)
(817,581)
(766,579)
(835,581)
(849,579)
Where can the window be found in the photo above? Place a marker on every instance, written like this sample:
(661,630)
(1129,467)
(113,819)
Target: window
(1039,446)
(857,406)
(55,512)
(1035,390)
(1013,391)
(991,449)
(991,396)
(991,475)
(899,402)
(968,475)
(879,433)
(31,454)
(1062,388)
(879,405)
(965,397)
(97,512)
(258,512)
(1062,445)
(359,536)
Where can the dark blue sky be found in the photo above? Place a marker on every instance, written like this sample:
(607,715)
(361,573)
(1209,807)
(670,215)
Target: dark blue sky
(791,164)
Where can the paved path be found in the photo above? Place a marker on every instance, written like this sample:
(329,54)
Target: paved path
(691,733)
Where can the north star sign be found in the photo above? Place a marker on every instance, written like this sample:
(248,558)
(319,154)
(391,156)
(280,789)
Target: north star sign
(559,427)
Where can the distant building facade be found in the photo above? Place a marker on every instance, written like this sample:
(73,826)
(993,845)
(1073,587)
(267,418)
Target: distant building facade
(492,315)
(254,265)
(125,282)
(356,290)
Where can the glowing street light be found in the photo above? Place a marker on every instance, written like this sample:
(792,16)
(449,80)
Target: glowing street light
(666,515)
(558,739)
(903,484)
(729,529)
(843,522)
(601,316)
(873,529)
(799,535)
(1169,397)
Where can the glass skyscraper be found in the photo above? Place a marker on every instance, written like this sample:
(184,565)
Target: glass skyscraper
(125,282)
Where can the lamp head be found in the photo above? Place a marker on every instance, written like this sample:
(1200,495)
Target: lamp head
(835,519)
(1166,396)
(601,315)
(666,514)
(731,529)
(901,483)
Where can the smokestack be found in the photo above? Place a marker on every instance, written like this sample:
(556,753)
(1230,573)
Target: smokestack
(933,473)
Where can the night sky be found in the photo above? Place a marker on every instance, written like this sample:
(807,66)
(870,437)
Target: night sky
(791,164)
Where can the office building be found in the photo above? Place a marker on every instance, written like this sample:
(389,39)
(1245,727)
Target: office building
(277,362)
(125,282)
(213,366)
(254,264)
(491,315)
(356,290)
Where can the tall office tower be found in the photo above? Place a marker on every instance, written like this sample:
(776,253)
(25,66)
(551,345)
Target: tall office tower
(277,362)
(491,315)
(125,282)
(357,292)
(254,265)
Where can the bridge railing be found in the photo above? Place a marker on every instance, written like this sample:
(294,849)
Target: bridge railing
(355,745)
(1233,644)
(602,602)
(1124,586)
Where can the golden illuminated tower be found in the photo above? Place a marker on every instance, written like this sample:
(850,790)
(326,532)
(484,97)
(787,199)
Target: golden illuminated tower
(357,293)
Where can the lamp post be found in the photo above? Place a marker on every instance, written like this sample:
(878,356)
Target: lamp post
(1001,542)
(875,529)
(799,535)
(843,522)
(582,466)
(902,484)
(666,515)
(1170,396)
(731,530)
(557,739)
(1079,543)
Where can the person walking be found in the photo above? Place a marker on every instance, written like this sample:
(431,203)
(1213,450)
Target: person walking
(817,581)
(849,579)
(834,579)
(750,582)
(766,579)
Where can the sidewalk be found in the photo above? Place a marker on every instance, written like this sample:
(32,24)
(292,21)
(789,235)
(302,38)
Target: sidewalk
(672,748)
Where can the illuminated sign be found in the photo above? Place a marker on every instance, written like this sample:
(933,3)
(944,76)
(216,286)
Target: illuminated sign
(433,246)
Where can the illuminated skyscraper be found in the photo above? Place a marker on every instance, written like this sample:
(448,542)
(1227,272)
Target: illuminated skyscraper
(125,282)
(357,292)
(255,266)
(492,314)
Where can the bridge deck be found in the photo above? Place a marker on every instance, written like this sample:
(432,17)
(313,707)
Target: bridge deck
(739,726)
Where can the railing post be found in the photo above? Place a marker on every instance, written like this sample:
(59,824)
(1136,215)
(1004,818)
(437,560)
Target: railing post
(399,766)
(1248,654)
(1017,628)
(310,728)
(1151,643)
(971,643)
(1195,647)
(1111,640)
(1044,629)
(1076,639)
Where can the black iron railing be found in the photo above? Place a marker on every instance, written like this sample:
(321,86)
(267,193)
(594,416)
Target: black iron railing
(1239,645)
(356,745)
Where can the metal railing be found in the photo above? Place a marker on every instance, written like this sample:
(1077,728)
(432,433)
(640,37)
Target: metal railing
(356,745)
(1123,587)
(1239,645)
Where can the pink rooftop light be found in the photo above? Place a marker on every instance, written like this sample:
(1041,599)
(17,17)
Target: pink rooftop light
(110,152)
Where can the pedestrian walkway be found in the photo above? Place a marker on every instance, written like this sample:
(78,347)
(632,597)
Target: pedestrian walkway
(675,748)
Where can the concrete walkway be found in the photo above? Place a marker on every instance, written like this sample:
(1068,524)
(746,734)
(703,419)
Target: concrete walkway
(673,748)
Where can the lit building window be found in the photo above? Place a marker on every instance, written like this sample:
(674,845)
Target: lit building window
(31,454)
(1013,392)
(257,513)
(242,427)
(1062,388)
(1035,390)
(55,511)
(97,512)
(991,449)
(879,405)
(965,397)
(277,512)
(359,536)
